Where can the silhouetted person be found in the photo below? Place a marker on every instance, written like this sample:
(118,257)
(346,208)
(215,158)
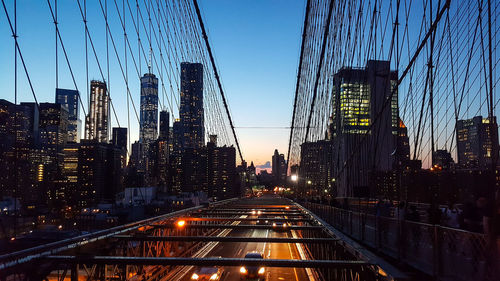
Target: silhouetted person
(471,218)
(451,216)
(434,214)
(414,216)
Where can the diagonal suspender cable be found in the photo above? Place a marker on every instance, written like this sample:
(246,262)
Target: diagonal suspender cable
(323,47)
(299,72)
(205,37)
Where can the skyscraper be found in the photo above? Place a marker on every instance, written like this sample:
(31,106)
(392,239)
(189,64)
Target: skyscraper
(221,171)
(477,139)
(164,125)
(96,122)
(120,138)
(53,127)
(191,107)
(316,167)
(364,129)
(69,98)
(279,168)
(149,108)
(99,173)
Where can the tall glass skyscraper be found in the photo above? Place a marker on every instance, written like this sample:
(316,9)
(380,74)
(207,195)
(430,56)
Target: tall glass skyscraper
(191,108)
(69,98)
(96,122)
(362,124)
(149,108)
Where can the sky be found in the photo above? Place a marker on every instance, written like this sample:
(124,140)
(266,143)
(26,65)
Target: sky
(256,46)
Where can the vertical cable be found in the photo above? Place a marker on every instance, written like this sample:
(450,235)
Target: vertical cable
(126,76)
(86,65)
(108,83)
(138,35)
(15,114)
(56,30)
(15,52)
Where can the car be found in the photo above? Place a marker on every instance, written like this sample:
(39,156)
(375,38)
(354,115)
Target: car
(207,273)
(256,213)
(262,220)
(280,225)
(253,272)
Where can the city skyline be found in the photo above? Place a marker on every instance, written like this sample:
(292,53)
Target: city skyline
(266,81)
(305,140)
(281,56)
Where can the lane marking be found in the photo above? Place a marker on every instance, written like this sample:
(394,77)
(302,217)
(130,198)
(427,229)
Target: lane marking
(204,251)
(264,248)
(309,273)
(291,256)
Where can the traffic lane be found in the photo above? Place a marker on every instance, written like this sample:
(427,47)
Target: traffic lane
(233,273)
(232,249)
(270,251)
(284,251)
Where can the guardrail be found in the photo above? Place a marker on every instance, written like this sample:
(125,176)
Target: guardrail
(28,255)
(432,249)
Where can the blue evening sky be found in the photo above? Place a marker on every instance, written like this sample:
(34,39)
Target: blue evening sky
(256,44)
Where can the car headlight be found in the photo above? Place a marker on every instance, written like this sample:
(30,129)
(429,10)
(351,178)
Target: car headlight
(214,276)
(194,276)
(259,212)
(274,224)
(262,270)
(243,270)
(284,225)
(253,212)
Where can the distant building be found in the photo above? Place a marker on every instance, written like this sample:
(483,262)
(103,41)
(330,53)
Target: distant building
(19,135)
(53,122)
(99,173)
(97,119)
(278,168)
(177,136)
(364,131)
(70,172)
(316,165)
(191,108)
(119,140)
(149,109)
(222,176)
(69,99)
(164,125)
(402,144)
(443,159)
(477,139)
(137,165)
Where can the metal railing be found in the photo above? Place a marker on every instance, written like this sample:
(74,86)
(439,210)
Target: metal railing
(31,254)
(432,249)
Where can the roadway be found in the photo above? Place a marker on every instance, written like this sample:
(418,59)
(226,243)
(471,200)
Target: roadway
(269,250)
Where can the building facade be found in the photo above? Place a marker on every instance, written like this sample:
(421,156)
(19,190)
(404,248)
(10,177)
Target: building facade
(477,141)
(53,127)
(97,119)
(69,99)
(364,128)
(316,166)
(191,107)
(278,168)
(149,109)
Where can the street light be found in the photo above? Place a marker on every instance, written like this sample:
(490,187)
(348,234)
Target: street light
(294,177)
(181,223)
